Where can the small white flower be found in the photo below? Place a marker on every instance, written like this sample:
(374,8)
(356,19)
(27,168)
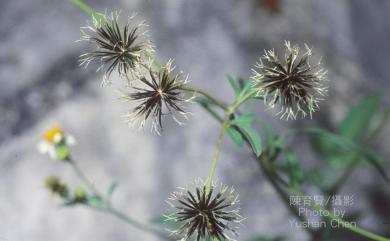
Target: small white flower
(52,139)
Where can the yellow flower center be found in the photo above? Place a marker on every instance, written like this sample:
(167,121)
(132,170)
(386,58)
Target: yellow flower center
(50,135)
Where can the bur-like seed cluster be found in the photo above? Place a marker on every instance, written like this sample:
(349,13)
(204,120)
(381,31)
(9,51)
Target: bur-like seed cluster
(294,84)
(56,186)
(116,47)
(160,94)
(205,213)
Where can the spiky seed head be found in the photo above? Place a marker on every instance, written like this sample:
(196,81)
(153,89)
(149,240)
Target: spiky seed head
(56,186)
(121,48)
(160,94)
(293,83)
(205,213)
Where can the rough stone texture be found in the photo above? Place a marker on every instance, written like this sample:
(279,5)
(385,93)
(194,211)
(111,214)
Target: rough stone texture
(41,85)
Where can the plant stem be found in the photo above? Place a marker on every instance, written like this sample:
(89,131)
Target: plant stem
(107,208)
(217,152)
(83,177)
(272,176)
(217,102)
(242,100)
(122,216)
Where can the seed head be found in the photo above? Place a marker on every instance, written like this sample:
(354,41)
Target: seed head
(160,94)
(203,213)
(56,186)
(294,83)
(120,48)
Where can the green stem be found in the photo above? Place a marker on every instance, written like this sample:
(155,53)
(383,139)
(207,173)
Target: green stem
(242,100)
(83,177)
(229,110)
(272,177)
(217,152)
(217,102)
(120,215)
(107,208)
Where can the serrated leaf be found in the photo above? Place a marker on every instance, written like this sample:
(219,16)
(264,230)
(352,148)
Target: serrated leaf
(253,138)
(234,84)
(235,136)
(358,119)
(243,119)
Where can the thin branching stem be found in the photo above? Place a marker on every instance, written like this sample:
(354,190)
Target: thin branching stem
(217,151)
(84,178)
(129,220)
(214,100)
(109,209)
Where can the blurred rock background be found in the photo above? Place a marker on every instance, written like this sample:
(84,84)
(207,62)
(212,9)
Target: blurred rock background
(42,85)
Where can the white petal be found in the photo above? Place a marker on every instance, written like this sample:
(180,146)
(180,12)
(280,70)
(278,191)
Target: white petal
(70,140)
(43,147)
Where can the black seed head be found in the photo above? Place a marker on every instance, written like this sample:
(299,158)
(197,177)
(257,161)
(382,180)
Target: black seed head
(201,213)
(160,94)
(294,83)
(56,186)
(116,47)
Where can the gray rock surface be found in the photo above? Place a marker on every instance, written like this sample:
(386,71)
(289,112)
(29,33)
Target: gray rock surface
(42,85)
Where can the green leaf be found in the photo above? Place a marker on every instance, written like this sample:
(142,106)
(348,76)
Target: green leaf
(243,119)
(335,149)
(253,138)
(269,133)
(325,148)
(203,101)
(235,136)
(234,84)
(83,7)
(295,171)
(269,137)
(95,201)
(248,85)
(88,10)
(358,119)
(317,177)
(111,189)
